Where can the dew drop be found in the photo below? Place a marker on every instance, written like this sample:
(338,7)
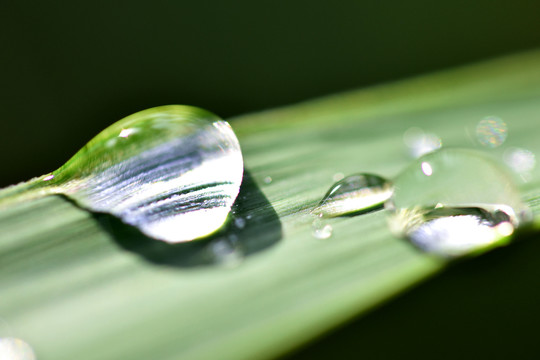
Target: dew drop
(338,176)
(320,229)
(522,161)
(227,252)
(15,349)
(466,203)
(491,131)
(267,180)
(358,193)
(240,223)
(174,172)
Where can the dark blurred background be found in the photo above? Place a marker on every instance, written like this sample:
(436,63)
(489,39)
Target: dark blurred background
(69,69)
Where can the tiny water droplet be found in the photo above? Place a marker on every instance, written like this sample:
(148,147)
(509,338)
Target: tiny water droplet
(491,131)
(173,172)
(465,203)
(267,180)
(15,349)
(356,193)
(240,223)
(320,229)
(338,176)
(227,252)
(522,161)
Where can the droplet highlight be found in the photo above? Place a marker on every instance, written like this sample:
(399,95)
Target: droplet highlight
(420,143)
(467,204)
(15,349)
(491,131)
(173,172)
(522,161)
(358,193)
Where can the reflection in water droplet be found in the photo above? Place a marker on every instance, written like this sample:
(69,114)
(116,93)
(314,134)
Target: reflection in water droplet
(467,204)
(15,349)
(491,131)
(420,143)
(320,229)
(172,171)
(521,161)
(357,193)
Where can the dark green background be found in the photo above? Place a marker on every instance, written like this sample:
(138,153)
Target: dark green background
(69,69)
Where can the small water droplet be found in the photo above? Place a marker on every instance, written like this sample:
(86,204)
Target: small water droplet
(354,194)
(174,172)
(338,176)
(468,203)
(267,180)
(240,223)
(522,161)
(227,252)
(320,229)
(491,131)
(419,142)
(15,349)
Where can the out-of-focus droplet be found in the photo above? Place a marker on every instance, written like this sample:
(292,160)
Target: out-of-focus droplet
(455,202)
(358,193)
(522,161)
(491,131)
(240,223)
(320,229)
(267,180)
(419,142)
(338,176)
(174,172)
(15,349)
(227,252)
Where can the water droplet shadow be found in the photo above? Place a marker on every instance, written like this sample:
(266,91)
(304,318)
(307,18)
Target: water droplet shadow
(253,226)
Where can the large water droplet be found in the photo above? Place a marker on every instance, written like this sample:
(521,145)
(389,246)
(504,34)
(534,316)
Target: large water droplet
(455,202)
(174,172)
(354,194)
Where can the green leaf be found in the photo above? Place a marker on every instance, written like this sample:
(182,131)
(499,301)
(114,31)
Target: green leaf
(77,285)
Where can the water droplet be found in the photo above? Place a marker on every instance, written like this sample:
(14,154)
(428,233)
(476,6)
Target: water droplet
(521,161)
(338,176)
(267,180)
(465,203)
(419,142)
(15,349)
(354,194)
(174,172)
(240,223)
(227,252)
(491,131)
(320,229)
